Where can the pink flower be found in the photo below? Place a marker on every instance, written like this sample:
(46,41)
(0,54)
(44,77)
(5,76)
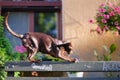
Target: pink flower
(102,5)
(117,9)
(106,27)
(111,13)
(106,16)
(99,30)
(20,49)
(101,10)
(111,5)
(103,21)
(91,21)
(116,23)
(118,27)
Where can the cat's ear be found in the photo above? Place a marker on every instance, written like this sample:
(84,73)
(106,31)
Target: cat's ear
(68,43)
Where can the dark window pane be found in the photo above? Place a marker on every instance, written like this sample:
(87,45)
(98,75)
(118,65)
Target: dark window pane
(46,23)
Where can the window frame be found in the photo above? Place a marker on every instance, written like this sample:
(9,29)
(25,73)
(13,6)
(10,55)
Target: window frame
(35,6)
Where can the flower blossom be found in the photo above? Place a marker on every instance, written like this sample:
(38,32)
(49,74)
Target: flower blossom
(110,5)
(106,27)
(102,5)
(106,16)
(103,21)
(116,23)
(111,13)
(91,21)
(117,9)
(99,30)
(118,27)
(20,49)
(101,10)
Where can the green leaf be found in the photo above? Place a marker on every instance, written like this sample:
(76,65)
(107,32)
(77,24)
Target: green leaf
(112,48)
(106,58)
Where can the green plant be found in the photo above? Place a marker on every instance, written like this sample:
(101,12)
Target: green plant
(2,71)
(2,50)
(6,51)
(46,57)
(107,56)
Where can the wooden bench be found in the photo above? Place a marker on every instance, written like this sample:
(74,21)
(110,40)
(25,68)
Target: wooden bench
(85,66)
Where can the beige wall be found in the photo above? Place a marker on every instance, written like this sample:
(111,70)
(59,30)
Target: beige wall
(76,15)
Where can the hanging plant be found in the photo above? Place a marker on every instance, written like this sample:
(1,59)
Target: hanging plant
(107,18)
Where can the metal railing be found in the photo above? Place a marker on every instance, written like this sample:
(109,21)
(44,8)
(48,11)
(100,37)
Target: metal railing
(84,66)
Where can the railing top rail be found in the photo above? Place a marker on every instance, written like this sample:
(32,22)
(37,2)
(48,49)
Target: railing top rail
(83,66)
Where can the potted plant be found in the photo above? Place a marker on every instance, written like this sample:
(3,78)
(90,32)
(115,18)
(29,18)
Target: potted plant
(107,18)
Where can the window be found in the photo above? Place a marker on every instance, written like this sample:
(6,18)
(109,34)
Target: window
(37,15)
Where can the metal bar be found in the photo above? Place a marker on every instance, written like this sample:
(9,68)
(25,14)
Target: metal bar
(84,66)
(58,78)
